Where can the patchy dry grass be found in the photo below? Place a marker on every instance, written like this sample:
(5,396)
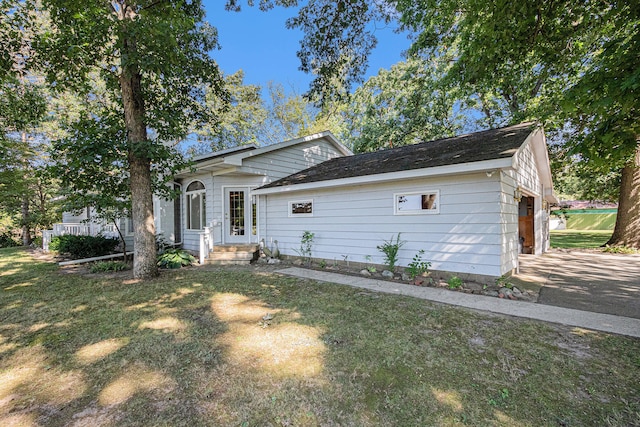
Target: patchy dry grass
(250,348)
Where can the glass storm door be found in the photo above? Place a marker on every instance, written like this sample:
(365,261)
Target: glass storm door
(237,219)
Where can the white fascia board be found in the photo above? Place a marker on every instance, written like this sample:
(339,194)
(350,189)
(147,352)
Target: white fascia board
(462,168)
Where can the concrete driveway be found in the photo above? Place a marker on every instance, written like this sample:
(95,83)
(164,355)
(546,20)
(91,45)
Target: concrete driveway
(590,281)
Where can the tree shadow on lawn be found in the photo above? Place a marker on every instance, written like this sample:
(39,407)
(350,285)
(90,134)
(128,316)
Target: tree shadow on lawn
(243,347)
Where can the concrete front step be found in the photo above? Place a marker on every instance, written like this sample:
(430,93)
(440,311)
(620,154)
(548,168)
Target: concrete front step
(210,261)
(233,254)
(236,248)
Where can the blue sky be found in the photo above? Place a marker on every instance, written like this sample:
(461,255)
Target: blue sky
(258,43)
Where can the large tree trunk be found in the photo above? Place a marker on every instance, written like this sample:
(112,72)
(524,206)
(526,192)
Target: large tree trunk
(144,233)
(627,229)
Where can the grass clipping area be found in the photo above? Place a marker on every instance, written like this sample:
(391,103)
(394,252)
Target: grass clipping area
(244,347)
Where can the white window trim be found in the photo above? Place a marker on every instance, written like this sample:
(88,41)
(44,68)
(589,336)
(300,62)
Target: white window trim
(297,215)
(417,212)
(187,206)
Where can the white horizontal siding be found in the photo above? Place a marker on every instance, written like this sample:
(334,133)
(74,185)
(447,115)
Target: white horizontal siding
(509,216)
(281,163)
(350,222)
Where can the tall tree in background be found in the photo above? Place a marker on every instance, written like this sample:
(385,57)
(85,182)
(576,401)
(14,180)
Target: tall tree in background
(559,62)
(237,122)
(409,103)
(23,104)
(154,59)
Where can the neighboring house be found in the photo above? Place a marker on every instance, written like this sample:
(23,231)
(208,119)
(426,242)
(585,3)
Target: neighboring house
(472,203)
(217,206)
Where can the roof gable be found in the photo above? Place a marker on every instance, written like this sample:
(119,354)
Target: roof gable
(481,146)
(230,159)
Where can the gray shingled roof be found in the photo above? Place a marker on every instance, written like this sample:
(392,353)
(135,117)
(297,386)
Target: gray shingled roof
(475,147)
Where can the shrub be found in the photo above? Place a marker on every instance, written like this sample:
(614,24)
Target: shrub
(306,242)
(83,246)
(101,267)
(390,250)
(417,266)
(175,258)
(7,241)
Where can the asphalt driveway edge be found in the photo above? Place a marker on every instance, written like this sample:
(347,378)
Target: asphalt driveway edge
(582,319)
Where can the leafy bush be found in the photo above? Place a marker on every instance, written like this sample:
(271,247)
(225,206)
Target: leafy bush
(101,267)
(37,242)
(417,266)
(390,250)
(83,246)
(175,258)
(7,241)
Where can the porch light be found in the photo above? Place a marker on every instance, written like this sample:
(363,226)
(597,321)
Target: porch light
(517,194)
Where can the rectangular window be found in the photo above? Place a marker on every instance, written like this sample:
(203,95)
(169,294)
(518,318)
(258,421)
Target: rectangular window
(254,215)
(418,203)
(301,208)
(129,226)
(196,211)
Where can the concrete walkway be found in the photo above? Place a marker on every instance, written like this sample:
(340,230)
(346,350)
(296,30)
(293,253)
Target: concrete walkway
(547,313)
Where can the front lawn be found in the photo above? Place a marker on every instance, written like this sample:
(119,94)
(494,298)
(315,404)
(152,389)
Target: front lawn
(246,347)
(579,239)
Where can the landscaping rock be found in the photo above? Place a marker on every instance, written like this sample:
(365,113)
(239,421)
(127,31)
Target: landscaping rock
(491,293)
(505,293)
(406,277)
(365,273)
(418,281)
(273,261)
(387,274)
(472,286)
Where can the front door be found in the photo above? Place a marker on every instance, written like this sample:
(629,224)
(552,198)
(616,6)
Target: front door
(237,219)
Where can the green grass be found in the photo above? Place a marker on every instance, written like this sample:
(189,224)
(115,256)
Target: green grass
(575,239)
(246,347)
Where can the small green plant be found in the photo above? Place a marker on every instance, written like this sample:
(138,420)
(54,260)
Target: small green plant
(390,249)
(104,266)
(323,264)
(503,282)
(620,250)
(346,259)
(454,282)
(175,258)
(306,243)
(417,266)
(370,268)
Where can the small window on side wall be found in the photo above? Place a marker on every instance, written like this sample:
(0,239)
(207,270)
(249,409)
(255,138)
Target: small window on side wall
(418,203)
(301,208)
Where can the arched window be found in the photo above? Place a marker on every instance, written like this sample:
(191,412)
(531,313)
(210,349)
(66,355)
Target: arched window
(196,207)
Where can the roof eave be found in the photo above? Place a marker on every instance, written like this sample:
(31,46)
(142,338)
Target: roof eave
(481,166)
